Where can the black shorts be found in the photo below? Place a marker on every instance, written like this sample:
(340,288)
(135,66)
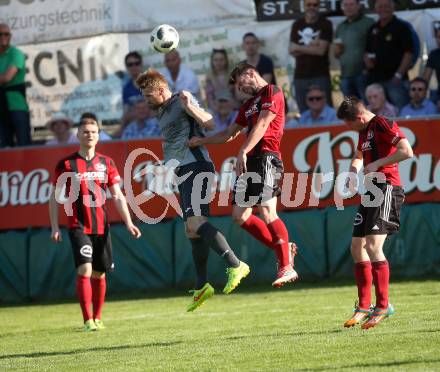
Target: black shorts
(260,182)
(195,196)
(383,219)
(94,249)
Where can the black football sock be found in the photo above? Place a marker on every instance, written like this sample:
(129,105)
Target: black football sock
(216,240)
(200,253)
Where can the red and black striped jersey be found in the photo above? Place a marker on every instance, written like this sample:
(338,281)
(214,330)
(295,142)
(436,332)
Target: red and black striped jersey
(86,184)
(378,140)
(269,98)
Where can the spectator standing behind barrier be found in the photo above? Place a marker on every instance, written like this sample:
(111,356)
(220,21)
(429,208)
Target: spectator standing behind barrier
(310,38)
(224,114)
(60,126)
(433,65)
(103,135)
(130,92)
(419,104)
(217,79)
(14,111)
(389,53)
(145,123)
(351,37)
(263,63)
(319,113)
(180,77)
(378,103)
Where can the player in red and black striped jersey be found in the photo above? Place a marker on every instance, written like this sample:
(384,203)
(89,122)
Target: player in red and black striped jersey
(83,178)
(259,166)
(382,145)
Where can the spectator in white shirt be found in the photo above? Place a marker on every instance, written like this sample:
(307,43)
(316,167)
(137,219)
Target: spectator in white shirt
(180,77)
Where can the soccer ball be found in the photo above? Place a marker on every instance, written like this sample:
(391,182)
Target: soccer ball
(164,38)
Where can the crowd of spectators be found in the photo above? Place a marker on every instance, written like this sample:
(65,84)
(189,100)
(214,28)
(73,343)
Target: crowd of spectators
(375,57)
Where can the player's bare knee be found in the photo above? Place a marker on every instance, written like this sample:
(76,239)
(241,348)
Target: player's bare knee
(98,274)
(84,269)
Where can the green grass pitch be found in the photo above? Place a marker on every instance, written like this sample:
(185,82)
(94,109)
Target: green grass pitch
(253,329)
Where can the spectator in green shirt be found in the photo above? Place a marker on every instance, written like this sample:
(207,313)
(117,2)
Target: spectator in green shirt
(350,41)
(14,111)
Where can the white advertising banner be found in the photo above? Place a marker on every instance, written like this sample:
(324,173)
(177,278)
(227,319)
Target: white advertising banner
(35,21)
(75,76)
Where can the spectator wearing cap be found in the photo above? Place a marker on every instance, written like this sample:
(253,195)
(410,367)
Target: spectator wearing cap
(419,104)
(130,92)
(103,135)
(145,123)
(319,112)
(15,127)
(224,113)
(377,102)
(263,63)
(60,126)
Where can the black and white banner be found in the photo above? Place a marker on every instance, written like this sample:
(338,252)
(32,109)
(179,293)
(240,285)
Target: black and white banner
(275,10)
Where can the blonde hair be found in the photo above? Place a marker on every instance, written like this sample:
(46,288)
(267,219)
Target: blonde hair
(151,79)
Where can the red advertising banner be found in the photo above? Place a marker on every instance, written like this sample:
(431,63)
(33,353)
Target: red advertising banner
(314,160)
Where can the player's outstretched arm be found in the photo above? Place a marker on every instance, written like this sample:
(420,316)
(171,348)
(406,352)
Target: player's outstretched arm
(404,151)
(121,206)
(55,234)
(224,136)
(203,118)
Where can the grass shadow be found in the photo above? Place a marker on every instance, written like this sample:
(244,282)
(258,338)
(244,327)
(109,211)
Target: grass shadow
(89,350)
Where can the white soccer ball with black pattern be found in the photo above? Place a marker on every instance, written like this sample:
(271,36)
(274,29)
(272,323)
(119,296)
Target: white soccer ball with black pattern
(164,38)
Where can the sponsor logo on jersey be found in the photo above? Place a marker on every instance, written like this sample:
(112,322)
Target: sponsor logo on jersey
(90,176)
(86,251)
(100,167)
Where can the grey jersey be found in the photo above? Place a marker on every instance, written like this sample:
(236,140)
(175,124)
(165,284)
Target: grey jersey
(176,127)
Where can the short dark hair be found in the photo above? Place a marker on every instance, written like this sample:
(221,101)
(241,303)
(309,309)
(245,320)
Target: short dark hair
(250,34)
(350,108)
(88,115)
(419,80)
(133,54)
(240,69)
(88,118)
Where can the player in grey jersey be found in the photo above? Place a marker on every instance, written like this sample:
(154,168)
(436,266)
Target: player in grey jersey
(177,125)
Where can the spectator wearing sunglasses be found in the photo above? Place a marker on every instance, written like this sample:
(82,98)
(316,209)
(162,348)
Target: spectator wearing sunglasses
(130,92)
(15,127)
(419,105)
(319,112)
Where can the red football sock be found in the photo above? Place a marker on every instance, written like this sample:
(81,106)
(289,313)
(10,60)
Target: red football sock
(364,281)
(280,239)
(381,280)
(258,229)
(98,296)
(84,293)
